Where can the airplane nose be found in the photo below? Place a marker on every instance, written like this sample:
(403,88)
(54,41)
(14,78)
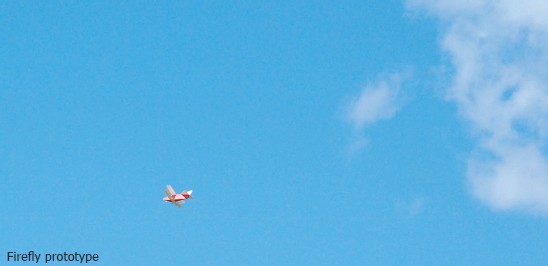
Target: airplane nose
(189,192)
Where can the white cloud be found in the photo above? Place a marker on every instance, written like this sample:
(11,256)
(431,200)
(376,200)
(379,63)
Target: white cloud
(375,102)
(412,207)
(516,180)
(499,50)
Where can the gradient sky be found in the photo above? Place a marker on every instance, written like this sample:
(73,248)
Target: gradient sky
(312,133)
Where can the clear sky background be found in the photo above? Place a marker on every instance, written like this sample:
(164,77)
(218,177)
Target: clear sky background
(312,133)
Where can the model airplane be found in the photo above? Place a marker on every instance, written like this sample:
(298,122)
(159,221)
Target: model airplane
(175,198)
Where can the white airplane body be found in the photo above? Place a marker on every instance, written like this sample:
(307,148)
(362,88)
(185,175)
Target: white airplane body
(177,198)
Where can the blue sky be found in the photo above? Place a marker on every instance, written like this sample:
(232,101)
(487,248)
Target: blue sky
(318,133)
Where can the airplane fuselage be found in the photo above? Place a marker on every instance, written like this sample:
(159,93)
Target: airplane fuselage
(177,197)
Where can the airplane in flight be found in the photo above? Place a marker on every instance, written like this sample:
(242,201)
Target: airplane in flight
(175,198)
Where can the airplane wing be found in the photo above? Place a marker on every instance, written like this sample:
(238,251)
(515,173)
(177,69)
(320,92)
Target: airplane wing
(171,190)
(171,199)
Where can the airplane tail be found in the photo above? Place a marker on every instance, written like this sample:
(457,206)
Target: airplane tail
(187,192)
